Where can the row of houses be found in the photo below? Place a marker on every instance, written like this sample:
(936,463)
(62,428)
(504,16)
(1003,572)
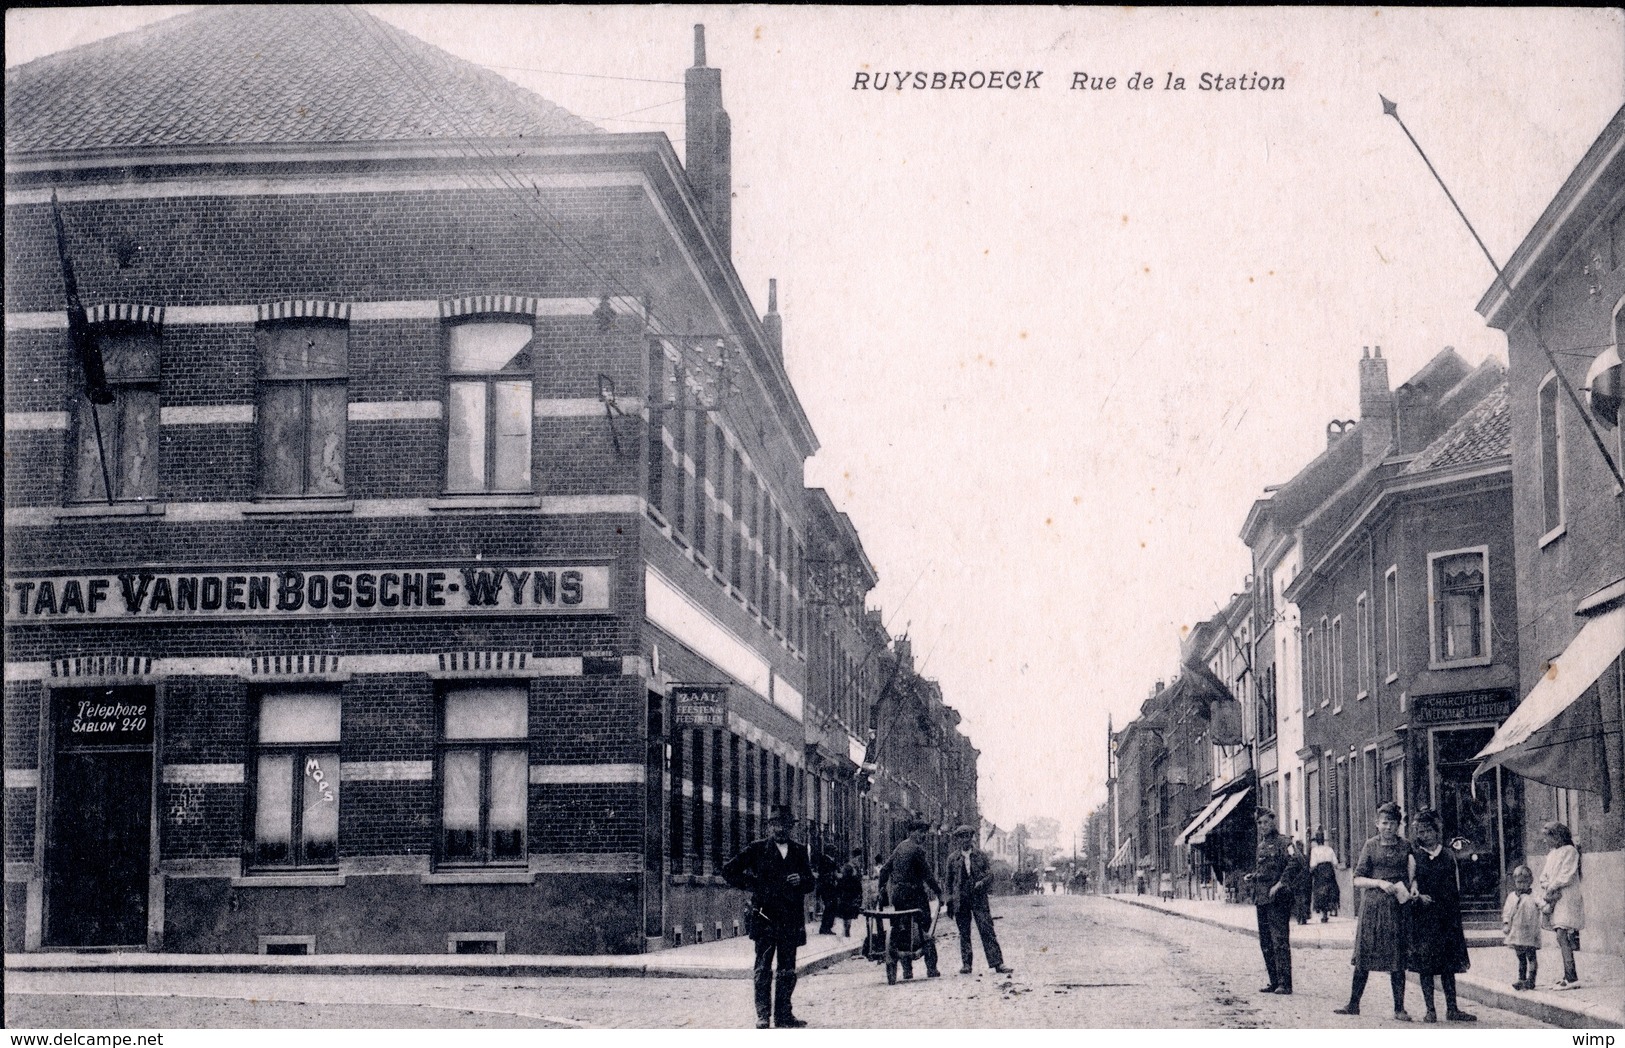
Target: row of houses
(407,546)
(1436,609)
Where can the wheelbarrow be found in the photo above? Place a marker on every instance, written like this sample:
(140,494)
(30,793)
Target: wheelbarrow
(893,936)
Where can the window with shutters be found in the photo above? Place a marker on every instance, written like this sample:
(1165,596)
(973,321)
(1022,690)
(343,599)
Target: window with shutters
(303,408)
(129,425)
(489,405)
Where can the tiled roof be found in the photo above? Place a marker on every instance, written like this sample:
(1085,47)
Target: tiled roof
(1482,434)
(265,75)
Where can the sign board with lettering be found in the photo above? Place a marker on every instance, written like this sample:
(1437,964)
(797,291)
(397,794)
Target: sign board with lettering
(700,705)
(287,593)
(121,716)
(1461,707)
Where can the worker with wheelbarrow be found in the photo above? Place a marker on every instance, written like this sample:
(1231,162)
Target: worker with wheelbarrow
(906,878)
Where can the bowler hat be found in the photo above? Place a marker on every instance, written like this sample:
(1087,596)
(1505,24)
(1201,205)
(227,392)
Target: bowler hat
(780,813)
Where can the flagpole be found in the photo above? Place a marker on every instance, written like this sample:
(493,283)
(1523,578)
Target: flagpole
(1390,109)
(89,357)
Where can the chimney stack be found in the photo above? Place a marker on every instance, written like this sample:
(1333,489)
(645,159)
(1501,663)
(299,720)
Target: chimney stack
(772,323)
(1376,405)
(708,144)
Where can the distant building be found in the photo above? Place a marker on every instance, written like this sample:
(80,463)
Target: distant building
(1407,606)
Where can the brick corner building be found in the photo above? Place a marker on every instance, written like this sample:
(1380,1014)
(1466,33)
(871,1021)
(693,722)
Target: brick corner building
(431,581)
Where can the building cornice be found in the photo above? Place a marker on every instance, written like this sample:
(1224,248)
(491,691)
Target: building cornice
(1483,476)
(1575,207)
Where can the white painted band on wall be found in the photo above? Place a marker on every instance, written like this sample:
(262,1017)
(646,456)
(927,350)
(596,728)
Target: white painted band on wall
(672,610)
(386,771)
(786,697)
(17,421)
(202,774)
(569,774)
(207,415)
(22,778)
(393,410)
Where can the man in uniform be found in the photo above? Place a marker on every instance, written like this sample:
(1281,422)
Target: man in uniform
(778,874)
(908,873)
(1271,886)
(969,874)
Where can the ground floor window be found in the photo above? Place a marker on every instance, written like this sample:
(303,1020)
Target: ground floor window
(484,774)
(296,780)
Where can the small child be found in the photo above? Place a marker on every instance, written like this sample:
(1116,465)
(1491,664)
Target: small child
(1520,920)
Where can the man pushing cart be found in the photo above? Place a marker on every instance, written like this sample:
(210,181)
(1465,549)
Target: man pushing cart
(905,880)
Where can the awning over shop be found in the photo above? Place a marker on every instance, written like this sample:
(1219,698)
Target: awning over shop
(1198,822)
(1198,834)
(1123,858)
(1555,736)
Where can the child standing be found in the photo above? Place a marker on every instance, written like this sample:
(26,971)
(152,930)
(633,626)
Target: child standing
(1561,898)
(1520,920)
(1438,947)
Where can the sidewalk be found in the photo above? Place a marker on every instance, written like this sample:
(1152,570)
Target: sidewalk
(723,959)
(1600,1001)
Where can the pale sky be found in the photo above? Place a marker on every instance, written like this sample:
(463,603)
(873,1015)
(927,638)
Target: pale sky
(1055,343)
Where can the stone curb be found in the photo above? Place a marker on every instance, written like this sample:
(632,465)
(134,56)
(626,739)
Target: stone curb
(1543,1011)
(395,965)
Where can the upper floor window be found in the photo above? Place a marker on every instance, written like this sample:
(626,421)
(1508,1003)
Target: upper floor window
(1362,638)
(1459,594)
(484,774)
(1311,671)
(489,406)
(296,782)
(1390,620)
(1551,456)
(304,398)
(1335,665)
(129,425)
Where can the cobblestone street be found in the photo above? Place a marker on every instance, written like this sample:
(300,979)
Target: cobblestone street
(1079,962)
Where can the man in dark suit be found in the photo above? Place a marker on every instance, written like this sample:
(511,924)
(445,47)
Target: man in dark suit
(908,875)
(1271,884)
(778,875)
(969,874)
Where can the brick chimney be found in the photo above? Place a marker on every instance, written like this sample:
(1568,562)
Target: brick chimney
(708,146)
(1376,405)
(772,323)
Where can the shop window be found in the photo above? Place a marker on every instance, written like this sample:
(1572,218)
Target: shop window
(489,407)
(1551,456)
(129,425)
(1460,599)
(484,775)
(304,400)
(296,780)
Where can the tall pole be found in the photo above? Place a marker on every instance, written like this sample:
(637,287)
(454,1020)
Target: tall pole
(1392,110)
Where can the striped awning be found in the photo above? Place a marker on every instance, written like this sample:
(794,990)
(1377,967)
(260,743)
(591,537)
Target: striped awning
(1198,822)
(1197,834)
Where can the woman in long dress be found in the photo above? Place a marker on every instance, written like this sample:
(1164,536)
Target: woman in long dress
(1323,878)
(1380,877)
(1562,901)
(1438,946)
